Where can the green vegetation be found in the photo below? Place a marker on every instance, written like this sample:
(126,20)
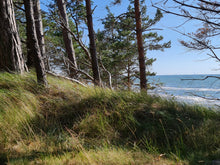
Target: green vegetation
(70,124)
(117,45)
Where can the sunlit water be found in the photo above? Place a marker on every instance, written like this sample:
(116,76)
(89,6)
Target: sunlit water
(182,88)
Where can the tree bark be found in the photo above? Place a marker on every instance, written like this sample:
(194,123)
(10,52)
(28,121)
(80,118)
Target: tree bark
(129,76)
(11,58)
(67,38)
(95,68)
(34,48)
(142,66)
(40,31)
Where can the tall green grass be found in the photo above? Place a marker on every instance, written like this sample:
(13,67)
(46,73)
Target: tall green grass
(67,123)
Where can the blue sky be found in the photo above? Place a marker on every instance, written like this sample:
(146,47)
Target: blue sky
(175,60)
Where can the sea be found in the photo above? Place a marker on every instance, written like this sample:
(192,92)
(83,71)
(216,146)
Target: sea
(188,88)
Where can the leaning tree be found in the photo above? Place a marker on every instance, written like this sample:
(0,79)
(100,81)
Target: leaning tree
(67,38)
(34,48)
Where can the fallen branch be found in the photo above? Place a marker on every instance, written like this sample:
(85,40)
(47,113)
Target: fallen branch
(67,78)
(202,78)
(77,69)
(204,97)
(109,74)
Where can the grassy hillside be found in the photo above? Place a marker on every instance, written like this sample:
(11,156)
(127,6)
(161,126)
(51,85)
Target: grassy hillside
(71,124)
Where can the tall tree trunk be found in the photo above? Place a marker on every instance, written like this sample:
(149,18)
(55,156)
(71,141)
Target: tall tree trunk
(33,42)
(30,60)
(142,66)
(11,58)
(40,31)
(95,68)
(129,76)
(67,37)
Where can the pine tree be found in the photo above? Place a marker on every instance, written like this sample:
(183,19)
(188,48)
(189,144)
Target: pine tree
(141,56)
(94,61)
(40,32)
(67,38)
(117,44)
(34,48)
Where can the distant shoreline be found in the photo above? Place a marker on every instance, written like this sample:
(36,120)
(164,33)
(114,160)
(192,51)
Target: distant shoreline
(186,74)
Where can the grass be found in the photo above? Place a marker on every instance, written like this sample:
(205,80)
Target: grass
(70,124)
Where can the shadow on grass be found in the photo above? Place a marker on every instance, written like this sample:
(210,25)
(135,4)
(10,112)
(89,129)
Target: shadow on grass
(129,119)
(3,158)
(35,155)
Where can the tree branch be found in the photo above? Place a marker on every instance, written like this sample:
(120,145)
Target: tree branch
(18,7)
(210,3)
(78,40)
(109,74)
(202,43)
(196,7)
(77,69)
(206,98)
(67,78)
(187,16)
(202,78)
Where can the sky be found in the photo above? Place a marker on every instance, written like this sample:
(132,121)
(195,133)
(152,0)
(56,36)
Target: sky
(176,60)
